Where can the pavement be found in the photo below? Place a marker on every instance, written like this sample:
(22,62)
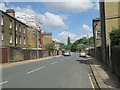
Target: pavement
(58,72)
(104,78)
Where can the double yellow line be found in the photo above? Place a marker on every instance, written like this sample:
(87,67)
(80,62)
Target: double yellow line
(91,82)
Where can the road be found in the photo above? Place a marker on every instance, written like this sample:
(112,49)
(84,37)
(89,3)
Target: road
(60,72)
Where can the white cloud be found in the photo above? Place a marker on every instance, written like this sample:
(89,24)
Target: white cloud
(30,17)
(52,21)
(2,6)
(56,40)
(70,6)
(49,20)
(86,28)
(83,32)
(28,10)
(64,35)
(97,5)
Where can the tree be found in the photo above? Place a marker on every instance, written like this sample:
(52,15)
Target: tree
(68,47)
(82,42)
(80,47)
(68,41)
(115,37)
(62,45)
(50,47)
(91,40)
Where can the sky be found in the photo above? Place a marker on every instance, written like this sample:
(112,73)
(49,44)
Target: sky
(63,19)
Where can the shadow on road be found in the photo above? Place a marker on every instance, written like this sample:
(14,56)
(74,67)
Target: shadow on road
(82,61)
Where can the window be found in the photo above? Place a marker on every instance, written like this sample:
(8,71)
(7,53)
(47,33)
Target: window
(2,36)
(20,40)
(16,39)
(2,21)
(10,24)
(24,41)
(98,34)
(10,38)
(33,32)
(24,30)
(20,27)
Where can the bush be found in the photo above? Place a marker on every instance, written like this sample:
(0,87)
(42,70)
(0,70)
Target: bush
(115,37)
(50,47)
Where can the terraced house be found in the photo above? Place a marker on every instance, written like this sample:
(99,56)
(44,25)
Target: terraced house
(110,19)
(13,36)
(97,37)
(20,41)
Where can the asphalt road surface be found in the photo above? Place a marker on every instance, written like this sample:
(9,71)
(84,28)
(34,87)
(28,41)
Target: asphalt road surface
(60,72)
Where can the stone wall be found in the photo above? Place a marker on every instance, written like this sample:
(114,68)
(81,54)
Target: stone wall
(98,53)
(17,54)
(113,62)
(115,58)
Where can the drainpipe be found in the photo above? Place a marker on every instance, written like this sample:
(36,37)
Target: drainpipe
(103,31)
(110,55)
(41,39)
(37,45)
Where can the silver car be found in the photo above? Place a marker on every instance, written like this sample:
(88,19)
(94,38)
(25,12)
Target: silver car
(82,54)
(67,53)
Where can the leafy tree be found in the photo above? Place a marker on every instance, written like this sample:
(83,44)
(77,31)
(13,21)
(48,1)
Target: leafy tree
(50,47)
(62,45)
(85,41)
(91,40)
(82,41)
(68,42)
(115,37)
(68,47)
(80,47)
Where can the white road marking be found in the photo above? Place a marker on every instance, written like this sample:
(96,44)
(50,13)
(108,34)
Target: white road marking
(35,70)
(3,82)
(54,63)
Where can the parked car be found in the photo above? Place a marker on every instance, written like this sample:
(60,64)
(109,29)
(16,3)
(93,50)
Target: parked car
(67,53)
(63,51)
(82,54)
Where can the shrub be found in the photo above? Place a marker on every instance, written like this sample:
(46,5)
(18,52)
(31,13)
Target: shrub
(115,37)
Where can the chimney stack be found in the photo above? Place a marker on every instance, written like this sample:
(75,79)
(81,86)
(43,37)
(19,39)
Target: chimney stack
(11,12)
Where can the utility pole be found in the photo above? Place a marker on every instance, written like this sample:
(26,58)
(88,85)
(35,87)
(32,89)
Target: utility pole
(89,43)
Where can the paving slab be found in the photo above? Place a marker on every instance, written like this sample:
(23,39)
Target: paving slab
(104,77)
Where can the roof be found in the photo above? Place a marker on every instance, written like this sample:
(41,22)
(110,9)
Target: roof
(13,18)
(96,19)
(47,33)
